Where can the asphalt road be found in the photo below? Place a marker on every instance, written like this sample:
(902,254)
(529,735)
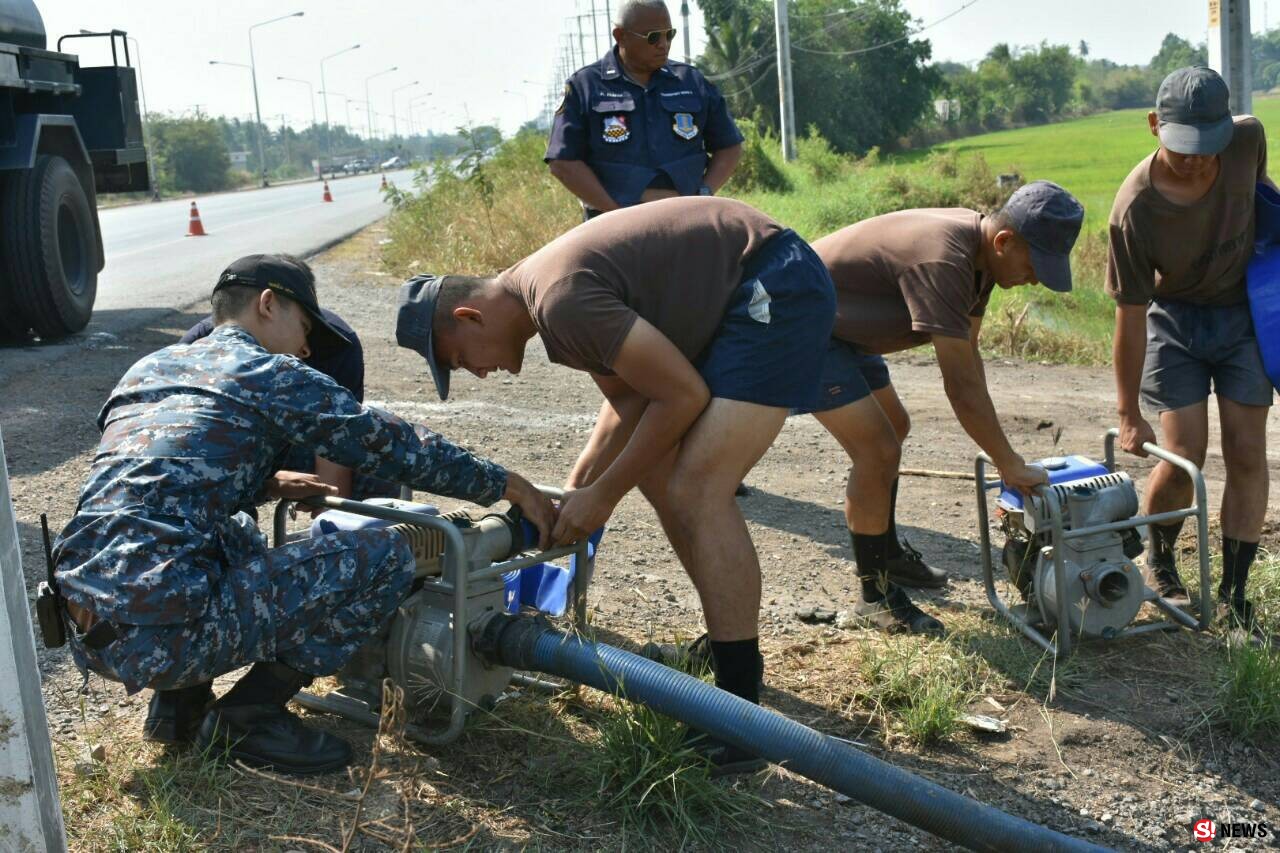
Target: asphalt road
(152,264)
(153,268)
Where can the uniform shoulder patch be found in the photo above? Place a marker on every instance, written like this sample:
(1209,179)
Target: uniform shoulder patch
(564,98)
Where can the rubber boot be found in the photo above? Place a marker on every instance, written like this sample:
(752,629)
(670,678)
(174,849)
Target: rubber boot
(174,716)
(251,724)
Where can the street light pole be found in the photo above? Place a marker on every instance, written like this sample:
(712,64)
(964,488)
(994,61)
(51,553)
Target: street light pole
(346,102)
(366,95)
(253,71)
(324,89)
(311,94)
(257,131)
(394,129)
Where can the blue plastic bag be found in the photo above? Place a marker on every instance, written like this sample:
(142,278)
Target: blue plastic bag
(1263,280)
(545,586)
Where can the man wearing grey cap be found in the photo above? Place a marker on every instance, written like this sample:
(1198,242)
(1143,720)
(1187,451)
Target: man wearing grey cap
(903,280)
(1181,235)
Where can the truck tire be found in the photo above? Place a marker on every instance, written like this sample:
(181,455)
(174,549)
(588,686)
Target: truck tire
(13,321)
(50,247)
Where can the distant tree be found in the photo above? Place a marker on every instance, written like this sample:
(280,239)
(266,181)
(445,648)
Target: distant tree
(1083,50)
(1176,52)
(858,74)
(738,46)
(193,154)
(1266,60)
(1042,81)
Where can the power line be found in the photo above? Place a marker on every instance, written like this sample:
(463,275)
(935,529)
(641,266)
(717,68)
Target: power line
(868,49)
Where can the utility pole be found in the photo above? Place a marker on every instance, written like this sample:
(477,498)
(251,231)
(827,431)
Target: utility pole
(582,51)
(684,13)
(595,30)
(786,98)
(1230,50)
(284,134)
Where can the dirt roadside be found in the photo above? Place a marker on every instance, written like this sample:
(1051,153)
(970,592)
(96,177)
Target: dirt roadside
(1116,756)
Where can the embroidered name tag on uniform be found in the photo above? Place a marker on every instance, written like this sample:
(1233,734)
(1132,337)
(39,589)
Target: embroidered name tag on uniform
(615,129)
(684,126)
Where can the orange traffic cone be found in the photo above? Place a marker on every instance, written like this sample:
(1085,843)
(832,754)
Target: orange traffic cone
(384,182)
(328,196)
(194,228)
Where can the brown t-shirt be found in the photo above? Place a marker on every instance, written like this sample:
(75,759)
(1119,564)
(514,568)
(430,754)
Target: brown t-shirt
(1193,253)
(904,277)
(673,262)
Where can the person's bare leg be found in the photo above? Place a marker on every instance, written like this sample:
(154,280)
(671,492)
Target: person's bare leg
(1186,433)
(655,488)
(728,438)
(868,437)
(1244,454)
(1244,497)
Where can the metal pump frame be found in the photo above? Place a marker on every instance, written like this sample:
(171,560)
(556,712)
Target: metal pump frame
(454,565)
(1064,644)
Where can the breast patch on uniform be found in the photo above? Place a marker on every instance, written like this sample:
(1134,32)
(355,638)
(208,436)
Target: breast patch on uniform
(615,129)
(684,126)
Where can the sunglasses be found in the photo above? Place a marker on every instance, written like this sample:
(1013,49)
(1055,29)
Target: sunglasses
(654,36)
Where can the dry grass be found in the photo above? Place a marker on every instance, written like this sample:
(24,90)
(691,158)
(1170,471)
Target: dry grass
(582,771)
(480,218)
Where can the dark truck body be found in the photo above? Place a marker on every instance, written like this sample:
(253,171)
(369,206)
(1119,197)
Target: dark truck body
(66,134)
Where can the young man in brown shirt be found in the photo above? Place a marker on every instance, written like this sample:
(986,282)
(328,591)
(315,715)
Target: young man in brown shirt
(703,322)
(1181,235)
(903,280)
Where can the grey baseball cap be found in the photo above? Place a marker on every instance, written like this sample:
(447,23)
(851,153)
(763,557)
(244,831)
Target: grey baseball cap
(1193,106)
(417,311)
(1048,218)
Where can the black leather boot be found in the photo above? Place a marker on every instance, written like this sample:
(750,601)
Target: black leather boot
(174,715)
(251,724)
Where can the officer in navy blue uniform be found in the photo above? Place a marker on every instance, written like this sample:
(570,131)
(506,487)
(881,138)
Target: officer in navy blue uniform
(636,127)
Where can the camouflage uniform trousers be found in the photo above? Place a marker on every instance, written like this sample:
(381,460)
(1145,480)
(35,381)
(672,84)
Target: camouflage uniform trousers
(308,605)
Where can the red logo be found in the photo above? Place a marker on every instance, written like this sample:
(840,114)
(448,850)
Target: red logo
(1204,830)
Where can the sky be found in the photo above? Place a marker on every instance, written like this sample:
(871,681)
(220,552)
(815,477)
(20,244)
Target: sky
(487,61)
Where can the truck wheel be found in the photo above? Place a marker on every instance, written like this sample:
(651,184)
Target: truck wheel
(13,322)
(50,247)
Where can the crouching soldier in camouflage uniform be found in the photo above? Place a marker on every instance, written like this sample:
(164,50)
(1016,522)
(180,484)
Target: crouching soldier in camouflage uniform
(168,583)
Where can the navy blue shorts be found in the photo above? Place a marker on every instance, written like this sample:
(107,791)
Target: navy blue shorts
(848,374)
(773,339)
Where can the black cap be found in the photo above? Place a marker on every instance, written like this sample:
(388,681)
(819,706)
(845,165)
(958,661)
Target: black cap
(413,324)
(1194,109)
(286,277)
(1048,218)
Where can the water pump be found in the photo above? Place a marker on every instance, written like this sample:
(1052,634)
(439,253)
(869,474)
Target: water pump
(464,569)
(1069,550)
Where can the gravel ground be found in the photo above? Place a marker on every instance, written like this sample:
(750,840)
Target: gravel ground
(1117,758)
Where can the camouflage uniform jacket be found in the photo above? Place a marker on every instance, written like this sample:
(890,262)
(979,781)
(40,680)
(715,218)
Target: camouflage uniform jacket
(188,439)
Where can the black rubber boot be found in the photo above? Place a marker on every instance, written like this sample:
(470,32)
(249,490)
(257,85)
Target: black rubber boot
(251,724)
(1169,584)
(269,736)
(174,715)
(909,569)
(896,614)
(724,759)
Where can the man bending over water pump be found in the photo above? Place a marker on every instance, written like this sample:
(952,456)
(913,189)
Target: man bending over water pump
(166,580)
(903,280)
(703,322)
